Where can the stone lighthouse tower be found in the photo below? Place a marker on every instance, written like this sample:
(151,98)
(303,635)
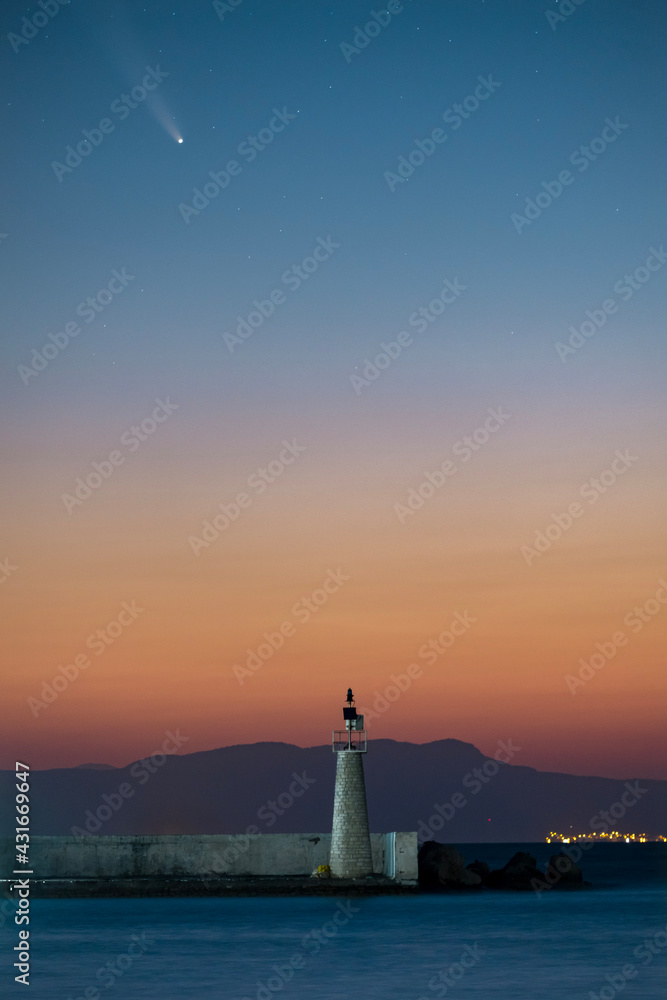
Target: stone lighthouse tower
(350,839)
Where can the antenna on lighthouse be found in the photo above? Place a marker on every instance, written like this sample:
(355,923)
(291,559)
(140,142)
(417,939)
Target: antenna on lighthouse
(353,723)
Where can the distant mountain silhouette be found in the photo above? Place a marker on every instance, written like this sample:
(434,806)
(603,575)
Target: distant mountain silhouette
(96,767)
(228,789)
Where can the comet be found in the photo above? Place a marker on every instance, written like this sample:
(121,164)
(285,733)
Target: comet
(127,54)
(158,109)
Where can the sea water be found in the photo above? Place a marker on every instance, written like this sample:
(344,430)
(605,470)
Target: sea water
(606,940)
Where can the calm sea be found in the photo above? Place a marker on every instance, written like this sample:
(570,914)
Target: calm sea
(608,940)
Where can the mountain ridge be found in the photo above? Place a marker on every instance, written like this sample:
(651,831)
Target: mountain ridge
(409,786)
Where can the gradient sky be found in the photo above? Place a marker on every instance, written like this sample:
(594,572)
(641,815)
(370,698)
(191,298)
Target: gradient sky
(333,509)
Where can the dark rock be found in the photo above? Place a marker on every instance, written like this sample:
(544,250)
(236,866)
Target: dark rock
(479,868)
(562,871)
(443,867)
(517,873)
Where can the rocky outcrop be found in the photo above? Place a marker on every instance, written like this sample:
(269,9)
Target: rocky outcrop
(517,873)
(442,867)
(562,871)
(479,868)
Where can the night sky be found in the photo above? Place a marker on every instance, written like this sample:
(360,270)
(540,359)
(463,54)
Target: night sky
(209,440)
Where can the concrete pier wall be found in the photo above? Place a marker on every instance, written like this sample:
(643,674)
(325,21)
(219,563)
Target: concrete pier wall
(393,854)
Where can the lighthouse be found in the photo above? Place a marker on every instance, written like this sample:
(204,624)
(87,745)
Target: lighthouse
(350,838)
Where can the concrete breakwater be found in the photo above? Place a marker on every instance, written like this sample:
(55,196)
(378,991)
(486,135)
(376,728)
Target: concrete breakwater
(249,857)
